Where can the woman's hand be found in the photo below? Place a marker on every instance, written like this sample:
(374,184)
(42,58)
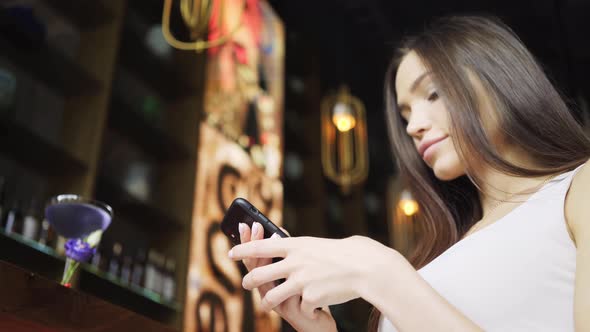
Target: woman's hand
(290,308)
(322,271)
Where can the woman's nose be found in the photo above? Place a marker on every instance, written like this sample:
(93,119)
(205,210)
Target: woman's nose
(418,123)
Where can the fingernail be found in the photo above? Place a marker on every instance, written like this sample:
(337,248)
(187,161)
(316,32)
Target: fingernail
(230,254)
(241,228)
(255,228)
(275,236)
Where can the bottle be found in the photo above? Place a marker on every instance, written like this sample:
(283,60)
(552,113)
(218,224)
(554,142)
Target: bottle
(138,269)
(60,245)
(169,280)
(126,270)
(152,275)
(160,266)
(14,219)
(46,235)
(8,85)
(97,259)
(115,261)
(31,222)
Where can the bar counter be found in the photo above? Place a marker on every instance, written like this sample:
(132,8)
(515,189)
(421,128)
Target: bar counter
(30,302)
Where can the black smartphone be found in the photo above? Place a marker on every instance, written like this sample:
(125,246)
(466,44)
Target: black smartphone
(242,211)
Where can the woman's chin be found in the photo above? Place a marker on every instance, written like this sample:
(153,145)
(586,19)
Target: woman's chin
(447,170)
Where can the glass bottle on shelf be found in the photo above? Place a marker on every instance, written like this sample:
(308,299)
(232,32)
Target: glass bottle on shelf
(31,222)
(160,267)
(14,219)
(138,269)
(126,270)
(96,260)
(169,280)
(60,243)
(115,261)
(46,235)
(152,275)
(8,85)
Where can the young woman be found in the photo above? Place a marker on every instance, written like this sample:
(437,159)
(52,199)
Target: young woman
(498,166)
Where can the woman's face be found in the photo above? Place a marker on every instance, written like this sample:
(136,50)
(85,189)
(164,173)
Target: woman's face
(427,118)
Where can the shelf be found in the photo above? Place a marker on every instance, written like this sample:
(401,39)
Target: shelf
(134,209)
(45,261)
(31,255)
(34,245)
(85,14)
(153,140)
(159,74)
(140,300)
(59,73)
(35,152)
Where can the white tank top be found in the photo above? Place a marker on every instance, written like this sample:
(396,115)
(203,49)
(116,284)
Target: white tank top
(516,274)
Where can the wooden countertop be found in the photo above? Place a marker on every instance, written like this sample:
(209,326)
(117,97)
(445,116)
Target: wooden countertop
(29,302)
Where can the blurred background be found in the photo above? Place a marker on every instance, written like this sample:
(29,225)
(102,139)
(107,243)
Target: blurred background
(167,118)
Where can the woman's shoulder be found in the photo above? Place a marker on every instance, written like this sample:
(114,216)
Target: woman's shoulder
(577,209)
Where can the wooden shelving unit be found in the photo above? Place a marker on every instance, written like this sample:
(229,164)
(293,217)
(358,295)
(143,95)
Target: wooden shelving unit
(148,214)
(33,151)
(161,75)
(73,164)
(46,261)
(156,141)
(61,74)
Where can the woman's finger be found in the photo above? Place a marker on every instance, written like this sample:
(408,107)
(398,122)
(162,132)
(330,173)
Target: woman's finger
(263,289)
(245,238)
(279,294)
(264,261)
(309,308)
(244,232)
(268,248)
(265,274)
(292,304)
(257,231)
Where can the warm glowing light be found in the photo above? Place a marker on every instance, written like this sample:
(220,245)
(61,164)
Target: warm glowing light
(410,207)
(408,204)
(345,158)
(343,118)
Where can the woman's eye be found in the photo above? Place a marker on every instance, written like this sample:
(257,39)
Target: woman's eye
(433,96)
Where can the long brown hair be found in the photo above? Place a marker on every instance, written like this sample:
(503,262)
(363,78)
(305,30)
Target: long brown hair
(528,109)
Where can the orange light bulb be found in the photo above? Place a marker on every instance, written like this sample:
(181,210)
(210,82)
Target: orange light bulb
(343,118)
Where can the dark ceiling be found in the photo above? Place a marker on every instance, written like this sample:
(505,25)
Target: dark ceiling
(356,39)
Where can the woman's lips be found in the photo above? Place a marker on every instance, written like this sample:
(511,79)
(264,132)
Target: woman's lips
(431,149)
